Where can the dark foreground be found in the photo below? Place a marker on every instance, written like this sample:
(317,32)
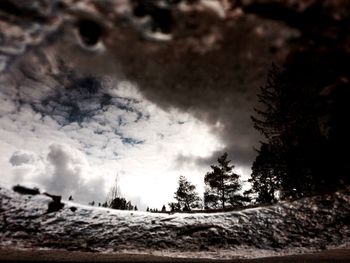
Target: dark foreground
(8,255)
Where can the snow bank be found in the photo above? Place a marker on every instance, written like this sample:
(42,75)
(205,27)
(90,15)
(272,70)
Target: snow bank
(304,225)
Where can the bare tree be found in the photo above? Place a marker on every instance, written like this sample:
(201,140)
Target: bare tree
(114,192)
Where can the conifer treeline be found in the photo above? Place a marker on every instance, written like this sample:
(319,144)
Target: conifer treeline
(303,113)
(222,190)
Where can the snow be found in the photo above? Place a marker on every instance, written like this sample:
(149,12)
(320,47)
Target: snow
(305,225)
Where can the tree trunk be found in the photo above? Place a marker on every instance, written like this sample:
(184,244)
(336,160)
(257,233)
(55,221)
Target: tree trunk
(222,190)
(223,197)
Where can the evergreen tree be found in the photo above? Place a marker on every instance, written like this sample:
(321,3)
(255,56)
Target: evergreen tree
(279,160)
(265,180)
(174,207)
(211,200)
(163,208)
(186,195)
(222,184)
(119,203)
(129,206)
(298,155)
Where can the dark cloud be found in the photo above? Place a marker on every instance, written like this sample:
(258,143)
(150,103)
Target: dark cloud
(238,157)
(217,81)
(212,68)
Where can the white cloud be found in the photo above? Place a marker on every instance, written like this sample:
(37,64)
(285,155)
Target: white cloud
(21,158)
(130,136)
(68,167)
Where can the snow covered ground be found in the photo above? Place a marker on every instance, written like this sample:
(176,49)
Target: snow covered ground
(301,226)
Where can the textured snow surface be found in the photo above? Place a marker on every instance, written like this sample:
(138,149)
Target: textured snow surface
(304,225)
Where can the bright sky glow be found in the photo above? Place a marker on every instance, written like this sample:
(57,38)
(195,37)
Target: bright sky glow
(132,138)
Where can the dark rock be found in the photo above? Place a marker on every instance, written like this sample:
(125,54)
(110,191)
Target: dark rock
(56,204)
(25,190)
(54,207)
(73,209)
(55,198)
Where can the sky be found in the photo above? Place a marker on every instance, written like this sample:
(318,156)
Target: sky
(74,136)
(154,113)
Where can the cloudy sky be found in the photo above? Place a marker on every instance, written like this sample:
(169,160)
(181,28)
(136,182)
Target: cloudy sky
(74,140)
(73,135)
(159,112)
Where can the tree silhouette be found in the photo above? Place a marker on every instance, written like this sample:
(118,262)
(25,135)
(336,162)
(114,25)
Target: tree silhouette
(163,208)
(222,184)
(115,201)
(265,180)
(114,192)
(129,206)
(186,195)
(289,122)
(299,118)
(174,207)
(210,200)
(119,203)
